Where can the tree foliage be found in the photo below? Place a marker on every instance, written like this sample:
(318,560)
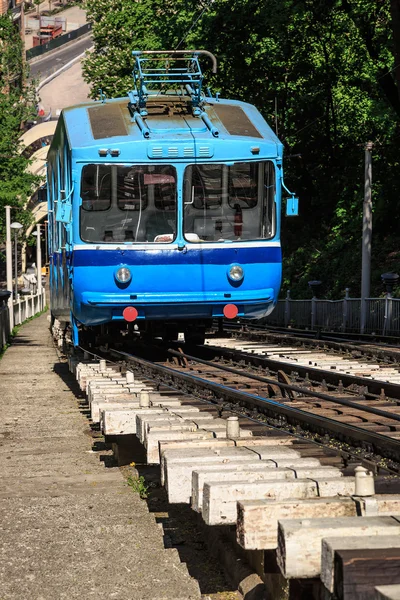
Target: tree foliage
(332,69)
(16,103)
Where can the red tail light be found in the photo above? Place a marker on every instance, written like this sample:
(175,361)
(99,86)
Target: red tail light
(130,314)
(230,311)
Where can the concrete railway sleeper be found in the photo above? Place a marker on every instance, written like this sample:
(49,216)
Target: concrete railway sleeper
(297,515)
(371,367)
(387,350)
(344,433)
(380,415)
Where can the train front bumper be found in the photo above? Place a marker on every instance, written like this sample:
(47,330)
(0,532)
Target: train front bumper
(95,308)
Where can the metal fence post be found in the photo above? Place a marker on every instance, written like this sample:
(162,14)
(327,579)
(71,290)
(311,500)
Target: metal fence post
(313,311)
(287,308)
(389,280)
(314,285)
(345,309)
(387,319)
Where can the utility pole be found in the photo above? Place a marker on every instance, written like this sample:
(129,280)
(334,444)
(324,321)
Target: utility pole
(366,236)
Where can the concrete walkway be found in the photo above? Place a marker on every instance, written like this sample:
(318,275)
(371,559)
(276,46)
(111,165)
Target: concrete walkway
(65,90)
(69,526)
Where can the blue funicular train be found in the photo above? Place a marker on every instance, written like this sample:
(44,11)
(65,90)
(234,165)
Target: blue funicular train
(164,207)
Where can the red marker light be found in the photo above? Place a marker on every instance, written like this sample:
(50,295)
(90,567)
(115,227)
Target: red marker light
(230,311)
(130,314)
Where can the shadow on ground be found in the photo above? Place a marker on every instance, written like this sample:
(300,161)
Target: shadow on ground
(181,526)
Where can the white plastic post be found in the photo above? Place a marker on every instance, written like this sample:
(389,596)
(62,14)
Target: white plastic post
(365,485)
(144,399)
(130,377)
(232,428)
(103,365)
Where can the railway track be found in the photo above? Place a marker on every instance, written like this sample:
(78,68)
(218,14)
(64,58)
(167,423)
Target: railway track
(352,419)
(374,340)
(356,346)
(282,493)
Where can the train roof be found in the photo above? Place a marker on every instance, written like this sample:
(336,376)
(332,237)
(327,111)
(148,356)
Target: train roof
(170,118)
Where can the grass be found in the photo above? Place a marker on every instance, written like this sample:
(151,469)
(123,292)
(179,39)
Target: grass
(138,485)
(17,328)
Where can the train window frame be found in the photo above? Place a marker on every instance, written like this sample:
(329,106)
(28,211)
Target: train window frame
(220,226)
(149,206)
(52,205)
(88,205)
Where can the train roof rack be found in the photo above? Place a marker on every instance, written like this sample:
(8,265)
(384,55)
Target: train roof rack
(158,70)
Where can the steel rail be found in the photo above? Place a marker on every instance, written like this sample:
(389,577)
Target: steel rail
(292,388)
(382,445)
(374,386)
(315,336)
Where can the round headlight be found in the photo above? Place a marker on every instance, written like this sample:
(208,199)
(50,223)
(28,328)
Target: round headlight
(236,273)
(123,275)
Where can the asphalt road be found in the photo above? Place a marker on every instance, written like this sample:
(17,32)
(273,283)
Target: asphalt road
(54,60)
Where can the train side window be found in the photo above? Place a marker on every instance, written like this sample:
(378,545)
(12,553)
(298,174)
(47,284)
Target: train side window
(61,163)
(50,196)
(269,211)
(96,187)
(56,174)
(52,216)
(66,160)
(54,191)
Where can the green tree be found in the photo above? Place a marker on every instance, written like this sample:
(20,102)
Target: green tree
(331,67)
(16,105)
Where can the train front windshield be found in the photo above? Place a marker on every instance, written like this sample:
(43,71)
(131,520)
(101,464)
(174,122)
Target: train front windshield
(221,203)
(128,204)
(229,202)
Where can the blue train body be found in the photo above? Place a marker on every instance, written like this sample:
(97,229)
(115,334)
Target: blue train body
(163,211)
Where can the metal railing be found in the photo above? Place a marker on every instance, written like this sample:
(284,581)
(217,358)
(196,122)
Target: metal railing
(383,315)
(28,306)
(24,308)
(4,325)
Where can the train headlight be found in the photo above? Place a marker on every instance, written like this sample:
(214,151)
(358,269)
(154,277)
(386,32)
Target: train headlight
(123,275)
(235,273)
